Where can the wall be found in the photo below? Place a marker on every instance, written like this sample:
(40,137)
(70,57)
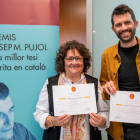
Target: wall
(72,20)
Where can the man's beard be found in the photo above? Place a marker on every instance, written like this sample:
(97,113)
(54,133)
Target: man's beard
(126,39)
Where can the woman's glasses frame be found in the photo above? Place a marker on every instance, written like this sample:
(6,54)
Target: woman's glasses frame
(71,58)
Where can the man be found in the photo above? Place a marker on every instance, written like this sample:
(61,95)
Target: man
(120,68)
(10,130)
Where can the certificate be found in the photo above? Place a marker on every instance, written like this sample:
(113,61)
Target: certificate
(74,99)
(125,107)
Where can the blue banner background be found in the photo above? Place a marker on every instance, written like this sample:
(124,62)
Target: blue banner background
(25,85)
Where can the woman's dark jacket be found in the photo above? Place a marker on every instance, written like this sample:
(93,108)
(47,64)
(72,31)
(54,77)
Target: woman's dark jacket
(54,134)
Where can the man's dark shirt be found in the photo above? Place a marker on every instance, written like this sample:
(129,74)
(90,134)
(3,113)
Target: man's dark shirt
(128,79)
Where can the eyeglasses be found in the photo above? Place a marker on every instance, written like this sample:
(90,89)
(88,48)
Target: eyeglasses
(77,59)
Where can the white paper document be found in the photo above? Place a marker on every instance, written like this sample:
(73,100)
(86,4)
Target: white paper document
(125,107)
(74,99)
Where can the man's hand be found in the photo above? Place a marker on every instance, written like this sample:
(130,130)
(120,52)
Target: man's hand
(109,88)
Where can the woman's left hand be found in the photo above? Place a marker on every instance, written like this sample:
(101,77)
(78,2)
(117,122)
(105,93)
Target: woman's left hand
(96,120)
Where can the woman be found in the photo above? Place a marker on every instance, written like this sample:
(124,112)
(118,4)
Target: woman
(72,62)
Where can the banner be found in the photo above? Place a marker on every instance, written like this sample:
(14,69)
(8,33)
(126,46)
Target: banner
(29,39)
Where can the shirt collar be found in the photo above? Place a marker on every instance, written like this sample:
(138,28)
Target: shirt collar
(138,42)
(67,80)
(116,53)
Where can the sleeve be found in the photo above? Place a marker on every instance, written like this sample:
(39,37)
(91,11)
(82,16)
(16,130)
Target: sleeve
(42,107)
(103,109)
(104,76)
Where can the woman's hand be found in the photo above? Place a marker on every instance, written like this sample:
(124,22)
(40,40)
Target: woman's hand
(57,121)
(62,120)
(97,120)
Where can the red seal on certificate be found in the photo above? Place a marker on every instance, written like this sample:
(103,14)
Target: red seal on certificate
(131,96)
(73,89)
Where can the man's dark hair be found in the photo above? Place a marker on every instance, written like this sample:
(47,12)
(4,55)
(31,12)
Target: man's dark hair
(120,10)
(4,91)
(71,45)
